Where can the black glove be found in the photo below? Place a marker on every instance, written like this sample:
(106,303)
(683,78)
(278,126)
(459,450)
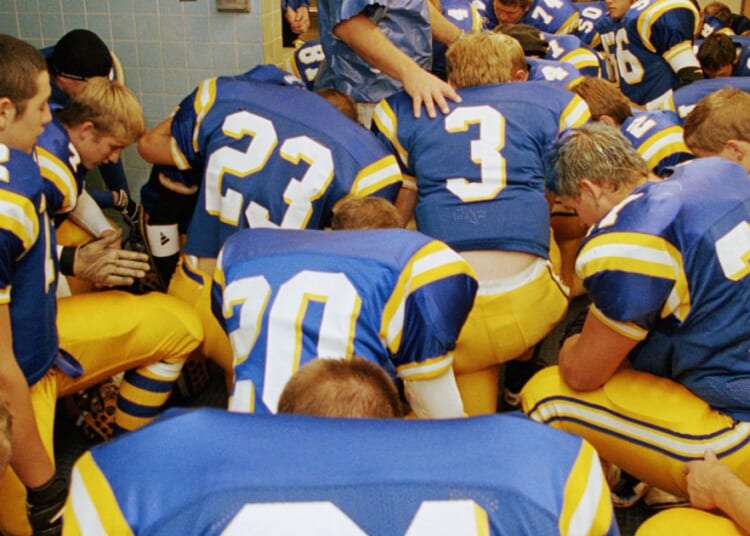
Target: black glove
(686,75)
(44,506)
(575,326)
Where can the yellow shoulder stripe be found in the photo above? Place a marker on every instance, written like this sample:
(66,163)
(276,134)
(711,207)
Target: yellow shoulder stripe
(385,119)
(19,216)
(58,173)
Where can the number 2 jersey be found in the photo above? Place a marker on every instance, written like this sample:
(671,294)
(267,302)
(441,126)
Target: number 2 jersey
(61,168)
(479,169)
(27,269)
(668,267)
(658,137)
(271,156)
(394,297)
(216,472)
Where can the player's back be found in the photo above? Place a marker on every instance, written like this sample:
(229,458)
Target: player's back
(555,72)
(570,49)
(305,475)
(336,294)
(272,156)
(28,278)
(553,16)
(479,168)
(658,137)
(683,100)
(693,299)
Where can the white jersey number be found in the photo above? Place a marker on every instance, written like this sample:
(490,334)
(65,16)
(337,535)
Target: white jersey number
(341,306)
(733,251)
(485,151)
(299,194)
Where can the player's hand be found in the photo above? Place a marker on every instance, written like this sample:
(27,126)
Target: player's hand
(427,89)
(302,20)
(104,265)
(44,506)
(705,479)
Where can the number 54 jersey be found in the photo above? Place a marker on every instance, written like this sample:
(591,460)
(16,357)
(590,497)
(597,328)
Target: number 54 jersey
(284,297)
(271,156)
(216,472)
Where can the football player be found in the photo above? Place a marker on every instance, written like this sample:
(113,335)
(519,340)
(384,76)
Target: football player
(297,474)
(480,188)
(45,355)
(649,380)
(265,155)
(649,46)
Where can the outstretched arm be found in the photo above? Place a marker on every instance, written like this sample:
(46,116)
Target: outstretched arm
(366,39)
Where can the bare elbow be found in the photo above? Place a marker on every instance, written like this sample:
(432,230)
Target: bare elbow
(579,379)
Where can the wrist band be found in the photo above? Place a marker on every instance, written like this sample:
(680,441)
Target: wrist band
(67,258)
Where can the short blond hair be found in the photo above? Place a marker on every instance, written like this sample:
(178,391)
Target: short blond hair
(110,106)
(351,387)
(483,58)
(604,98)
(716,119)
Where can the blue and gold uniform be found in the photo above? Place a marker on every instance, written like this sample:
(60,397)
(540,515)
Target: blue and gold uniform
(295,474)
(589,13)
(465,15)
(683,100)
(659,139)
(552,16)
(555,72)
(570,49)
(270,156)
(394,297)
(479,175)
(61,168)
(667,267)
(305,62)
(406,24)
(649,45)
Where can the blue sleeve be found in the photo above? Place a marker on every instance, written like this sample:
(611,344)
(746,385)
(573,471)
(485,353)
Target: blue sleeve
(673,27)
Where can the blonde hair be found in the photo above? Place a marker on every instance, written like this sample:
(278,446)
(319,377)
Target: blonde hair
(604,98)
(110,106)
(716,119)
(483,58)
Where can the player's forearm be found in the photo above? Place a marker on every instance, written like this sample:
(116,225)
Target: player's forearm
(435,398)
(734,500)
(89,216)
(443,30)
(366,39)
(28,458)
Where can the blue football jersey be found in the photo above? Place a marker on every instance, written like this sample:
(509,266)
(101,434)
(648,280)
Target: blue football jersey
(28,271)
(216,472)
(570,49)
(668,267)
(589,13)
(394,297)
(683,100)
(552,16)
(462,13)
(479,169)
(305,62)
(649,45)
(61,168)
(406,23)
(555,72)
(271,156)
(658,137)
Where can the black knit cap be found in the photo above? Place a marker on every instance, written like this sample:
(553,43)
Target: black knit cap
(531,39)
(80,54)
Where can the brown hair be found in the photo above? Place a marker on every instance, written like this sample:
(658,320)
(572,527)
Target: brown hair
(366,213)
(716,119)
(604,98)
(718,10)
(341,101)
(20,64)
(716,51)
(351,387)
(110,106)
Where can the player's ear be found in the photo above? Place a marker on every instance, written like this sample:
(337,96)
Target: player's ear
(87,130)
(7,112)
